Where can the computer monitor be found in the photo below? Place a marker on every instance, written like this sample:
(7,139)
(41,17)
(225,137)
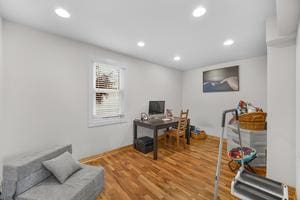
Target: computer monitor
(156,107)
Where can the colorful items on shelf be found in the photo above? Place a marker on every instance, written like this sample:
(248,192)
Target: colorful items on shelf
(247,107)
(236,154)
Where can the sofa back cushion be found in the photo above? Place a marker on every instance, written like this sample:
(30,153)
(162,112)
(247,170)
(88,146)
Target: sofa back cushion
(24,172)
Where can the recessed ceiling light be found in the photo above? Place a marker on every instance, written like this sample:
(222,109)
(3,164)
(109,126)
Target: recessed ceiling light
(177,58)
(62,13)
(141,44)
(228,42)
(198,12)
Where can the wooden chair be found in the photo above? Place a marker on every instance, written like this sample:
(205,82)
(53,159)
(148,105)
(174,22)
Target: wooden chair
(180,131)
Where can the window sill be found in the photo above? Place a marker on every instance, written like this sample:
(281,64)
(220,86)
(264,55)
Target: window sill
(106,122)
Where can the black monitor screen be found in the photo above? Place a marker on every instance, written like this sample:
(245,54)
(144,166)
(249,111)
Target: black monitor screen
(156,107)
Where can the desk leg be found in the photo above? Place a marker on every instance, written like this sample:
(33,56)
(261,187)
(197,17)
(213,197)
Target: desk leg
(134,134)
(188,133)
(155,144)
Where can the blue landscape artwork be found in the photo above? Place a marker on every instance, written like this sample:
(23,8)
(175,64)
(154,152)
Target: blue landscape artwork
(221,80)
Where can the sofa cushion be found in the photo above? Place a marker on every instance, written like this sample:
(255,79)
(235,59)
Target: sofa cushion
(62,166)
(80,186)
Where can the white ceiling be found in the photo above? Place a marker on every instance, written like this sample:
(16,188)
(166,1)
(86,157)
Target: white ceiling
(167,27)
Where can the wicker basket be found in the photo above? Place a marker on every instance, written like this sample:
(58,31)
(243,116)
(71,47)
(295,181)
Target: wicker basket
(256,126)
(253,117)
(201,136)
(253,121)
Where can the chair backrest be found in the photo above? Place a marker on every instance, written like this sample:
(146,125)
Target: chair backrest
(182,123)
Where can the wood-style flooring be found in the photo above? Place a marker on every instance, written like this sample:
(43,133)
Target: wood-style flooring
(177,174)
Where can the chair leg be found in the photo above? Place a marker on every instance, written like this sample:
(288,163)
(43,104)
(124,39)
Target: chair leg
(184,141)
(177,140)
(165,138)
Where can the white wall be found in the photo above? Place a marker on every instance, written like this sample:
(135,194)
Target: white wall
(273,38)
(288,16)
(206,108)
(1,95)
(298,114)
(281,114)
(46,96)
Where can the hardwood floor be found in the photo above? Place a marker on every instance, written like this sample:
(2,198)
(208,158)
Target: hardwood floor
(177,174)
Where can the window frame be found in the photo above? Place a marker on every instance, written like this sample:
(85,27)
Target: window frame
(95,120)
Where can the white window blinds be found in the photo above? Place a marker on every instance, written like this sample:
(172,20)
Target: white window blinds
(107,91)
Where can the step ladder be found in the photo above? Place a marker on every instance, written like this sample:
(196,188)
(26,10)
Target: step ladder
(247,185)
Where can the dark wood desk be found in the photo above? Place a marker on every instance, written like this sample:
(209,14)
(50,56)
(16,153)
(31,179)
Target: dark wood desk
(155,125)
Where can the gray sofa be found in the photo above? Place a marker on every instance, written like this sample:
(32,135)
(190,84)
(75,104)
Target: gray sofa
(25,178)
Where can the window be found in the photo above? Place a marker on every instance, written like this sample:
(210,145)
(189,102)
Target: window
(107,95)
